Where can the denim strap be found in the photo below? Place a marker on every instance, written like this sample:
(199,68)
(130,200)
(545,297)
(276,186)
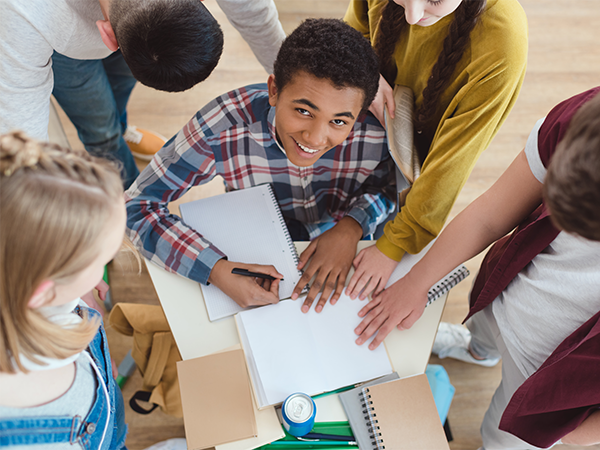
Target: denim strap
(39,430)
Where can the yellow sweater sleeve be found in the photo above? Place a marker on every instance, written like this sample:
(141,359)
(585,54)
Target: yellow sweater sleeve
(489,88)
(357,17)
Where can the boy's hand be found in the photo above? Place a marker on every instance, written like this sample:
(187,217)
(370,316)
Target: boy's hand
(372,272)
(383,99)
(246,291)
(331,256)
(400,306)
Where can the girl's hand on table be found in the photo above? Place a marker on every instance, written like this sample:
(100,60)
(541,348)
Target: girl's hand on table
(371,274)
(400,305)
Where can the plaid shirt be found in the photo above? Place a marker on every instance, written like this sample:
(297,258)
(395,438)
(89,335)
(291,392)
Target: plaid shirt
(234,136)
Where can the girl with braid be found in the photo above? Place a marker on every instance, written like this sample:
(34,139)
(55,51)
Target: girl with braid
(464,61)
(62,216)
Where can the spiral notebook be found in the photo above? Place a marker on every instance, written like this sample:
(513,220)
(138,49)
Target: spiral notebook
(352,402)
(246,225)
(447,283)
(438,289)
(401,415)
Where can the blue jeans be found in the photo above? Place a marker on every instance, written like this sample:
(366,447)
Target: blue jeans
(86,431)
(94,95)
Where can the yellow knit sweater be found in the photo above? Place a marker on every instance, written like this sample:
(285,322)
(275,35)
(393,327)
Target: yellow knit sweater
(484,88)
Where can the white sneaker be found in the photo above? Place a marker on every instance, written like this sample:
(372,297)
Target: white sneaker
(452,341)
(169,444)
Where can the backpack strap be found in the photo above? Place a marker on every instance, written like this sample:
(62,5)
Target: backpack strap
(143,396)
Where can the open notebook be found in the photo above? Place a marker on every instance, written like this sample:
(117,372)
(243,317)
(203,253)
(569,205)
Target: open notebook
(248,227)
(288,351)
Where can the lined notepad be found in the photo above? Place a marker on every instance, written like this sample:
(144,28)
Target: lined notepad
(246,225)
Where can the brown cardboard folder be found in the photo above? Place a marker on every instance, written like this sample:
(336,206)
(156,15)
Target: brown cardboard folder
(216,399)
(403,415)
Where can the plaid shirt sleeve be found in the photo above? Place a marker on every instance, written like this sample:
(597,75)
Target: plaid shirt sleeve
(370,206)
(187,160)
(376,200)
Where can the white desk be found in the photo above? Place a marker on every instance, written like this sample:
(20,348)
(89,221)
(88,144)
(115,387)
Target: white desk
(196,336)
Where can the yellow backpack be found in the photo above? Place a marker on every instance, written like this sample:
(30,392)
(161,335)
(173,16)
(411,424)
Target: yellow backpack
(155,354)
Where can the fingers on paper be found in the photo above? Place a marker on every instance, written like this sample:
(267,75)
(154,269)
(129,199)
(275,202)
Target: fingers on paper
(373,270)
(363,285)
(332,287)
(385,312)
(375,322)
(307,254)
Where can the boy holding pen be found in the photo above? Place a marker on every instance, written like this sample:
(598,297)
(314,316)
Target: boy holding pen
(536,300)
(304,132)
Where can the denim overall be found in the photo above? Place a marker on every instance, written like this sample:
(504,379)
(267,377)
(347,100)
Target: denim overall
(86,432)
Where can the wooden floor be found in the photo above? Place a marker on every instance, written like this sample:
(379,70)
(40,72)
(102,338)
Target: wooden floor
(563,60)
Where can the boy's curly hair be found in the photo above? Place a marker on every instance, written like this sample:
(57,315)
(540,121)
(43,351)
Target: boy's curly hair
(329,49)
(169,45)
(572,184)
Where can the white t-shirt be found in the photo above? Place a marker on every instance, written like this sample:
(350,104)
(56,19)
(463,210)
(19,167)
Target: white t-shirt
(556,293)
(29,32)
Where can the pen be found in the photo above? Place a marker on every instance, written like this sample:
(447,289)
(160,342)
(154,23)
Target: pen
(336,391)
(310,444)
(331,437)
(247,273)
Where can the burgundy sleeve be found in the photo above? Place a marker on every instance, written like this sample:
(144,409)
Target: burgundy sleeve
(557,122)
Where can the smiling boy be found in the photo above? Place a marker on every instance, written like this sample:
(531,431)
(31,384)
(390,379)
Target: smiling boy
(304,133)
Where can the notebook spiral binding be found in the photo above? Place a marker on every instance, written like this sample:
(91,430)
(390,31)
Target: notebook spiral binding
(371,420)
(447,283)
(288,238)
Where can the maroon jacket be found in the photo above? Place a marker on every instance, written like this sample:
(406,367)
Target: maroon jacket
(565,390)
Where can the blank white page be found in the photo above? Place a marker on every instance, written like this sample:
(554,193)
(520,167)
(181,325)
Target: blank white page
(248,227)
(310,353)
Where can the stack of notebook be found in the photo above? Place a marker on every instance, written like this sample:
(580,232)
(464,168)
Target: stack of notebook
(393,413)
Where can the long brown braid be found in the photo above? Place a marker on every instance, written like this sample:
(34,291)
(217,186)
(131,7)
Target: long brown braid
(390,26)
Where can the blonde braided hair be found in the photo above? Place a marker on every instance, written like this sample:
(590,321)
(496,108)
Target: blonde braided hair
(55,204)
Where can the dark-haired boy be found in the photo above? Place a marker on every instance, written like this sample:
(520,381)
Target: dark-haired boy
(536,301)
(303,132)
(88,54)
